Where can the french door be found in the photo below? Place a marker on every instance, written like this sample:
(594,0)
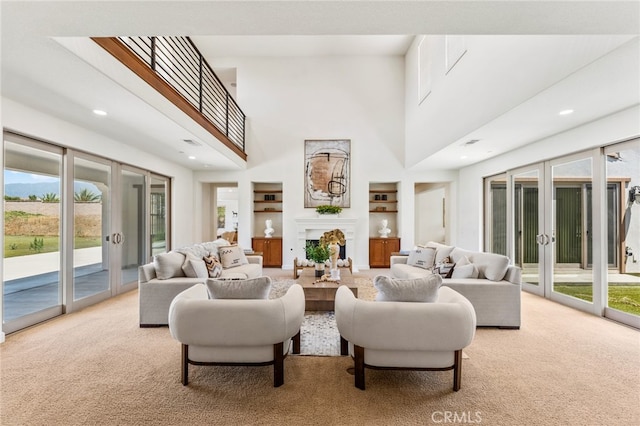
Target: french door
(76,228)
(527,234)
(570,223)
(32,288)
(622,291)
(552,228)
(107,237)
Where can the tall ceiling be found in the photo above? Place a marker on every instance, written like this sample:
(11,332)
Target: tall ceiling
(41,66)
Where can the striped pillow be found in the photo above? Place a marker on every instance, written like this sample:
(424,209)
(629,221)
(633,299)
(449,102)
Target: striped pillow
(213,266)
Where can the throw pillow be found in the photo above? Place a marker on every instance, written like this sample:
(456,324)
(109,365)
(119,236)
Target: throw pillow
(214,268)
(422,257)
(442,251)
(254,288)
(444,269)
(232,256)
(212,246)
(194,267)
(169,265)
(465,271)
(464,260)
(423,289)
(450,273)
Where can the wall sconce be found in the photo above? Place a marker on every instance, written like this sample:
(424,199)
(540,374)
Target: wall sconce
(634,194)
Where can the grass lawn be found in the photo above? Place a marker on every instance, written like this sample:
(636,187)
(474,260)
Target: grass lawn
(625,298)
(18,245)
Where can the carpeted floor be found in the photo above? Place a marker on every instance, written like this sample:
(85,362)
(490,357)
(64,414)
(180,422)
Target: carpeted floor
(97,367)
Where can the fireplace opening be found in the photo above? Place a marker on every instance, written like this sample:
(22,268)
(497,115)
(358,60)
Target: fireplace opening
(343,249)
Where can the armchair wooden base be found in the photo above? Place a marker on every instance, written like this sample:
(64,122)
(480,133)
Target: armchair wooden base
(360,365)
(277,362)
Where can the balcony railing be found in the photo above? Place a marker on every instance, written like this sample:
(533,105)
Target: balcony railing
(178,62)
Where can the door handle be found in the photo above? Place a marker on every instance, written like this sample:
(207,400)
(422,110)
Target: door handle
(116,238)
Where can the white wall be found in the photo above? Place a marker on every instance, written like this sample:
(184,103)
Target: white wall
(496,74)
(288,100)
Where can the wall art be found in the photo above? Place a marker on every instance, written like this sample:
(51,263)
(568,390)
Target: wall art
(327,172)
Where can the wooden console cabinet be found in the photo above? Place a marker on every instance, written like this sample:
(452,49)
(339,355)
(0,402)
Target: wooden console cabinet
(380,250)
(271,249)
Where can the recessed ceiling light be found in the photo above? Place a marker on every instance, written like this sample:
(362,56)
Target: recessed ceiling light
(462,157)
(99,112)
(566,112)
(191,157)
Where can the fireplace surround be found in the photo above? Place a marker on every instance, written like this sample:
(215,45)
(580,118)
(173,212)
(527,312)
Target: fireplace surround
(312,228)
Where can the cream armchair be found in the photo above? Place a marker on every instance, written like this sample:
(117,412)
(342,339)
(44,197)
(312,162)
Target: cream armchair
(405,335)
(251,332)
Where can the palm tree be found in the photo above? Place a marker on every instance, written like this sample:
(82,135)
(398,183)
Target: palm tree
(50,197)
(86,196)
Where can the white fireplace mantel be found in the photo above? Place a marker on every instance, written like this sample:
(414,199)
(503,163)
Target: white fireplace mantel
(312,228)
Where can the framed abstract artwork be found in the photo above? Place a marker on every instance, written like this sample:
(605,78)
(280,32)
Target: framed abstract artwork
(327,172)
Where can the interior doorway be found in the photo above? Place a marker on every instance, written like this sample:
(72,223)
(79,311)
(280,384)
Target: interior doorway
(223,207)
(431,212)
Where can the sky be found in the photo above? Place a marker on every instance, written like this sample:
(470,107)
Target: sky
(20,177)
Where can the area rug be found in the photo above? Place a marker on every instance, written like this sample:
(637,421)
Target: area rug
(319,333)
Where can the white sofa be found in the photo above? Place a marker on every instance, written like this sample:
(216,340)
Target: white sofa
(494,294)
(236,331)
(156,293)
(406,335)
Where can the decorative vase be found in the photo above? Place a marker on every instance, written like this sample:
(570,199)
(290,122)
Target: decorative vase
(319,269)
(335,251)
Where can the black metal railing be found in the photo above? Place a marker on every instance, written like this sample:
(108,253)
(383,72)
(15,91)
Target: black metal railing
(179,62)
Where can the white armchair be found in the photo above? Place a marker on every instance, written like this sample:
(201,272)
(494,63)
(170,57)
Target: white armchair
(251,332)
(405,335)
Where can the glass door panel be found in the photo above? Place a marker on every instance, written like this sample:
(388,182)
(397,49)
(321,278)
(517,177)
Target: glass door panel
(32,289)
(528,226)
(623,198)
(91,222)
(571,229)
(158,219)
(131,240)
(496,239)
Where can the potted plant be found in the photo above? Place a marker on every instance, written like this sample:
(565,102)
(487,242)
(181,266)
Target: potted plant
(328,210)
(319,253)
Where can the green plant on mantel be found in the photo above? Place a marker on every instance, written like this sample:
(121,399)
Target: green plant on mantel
(327,209)
(319,253)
